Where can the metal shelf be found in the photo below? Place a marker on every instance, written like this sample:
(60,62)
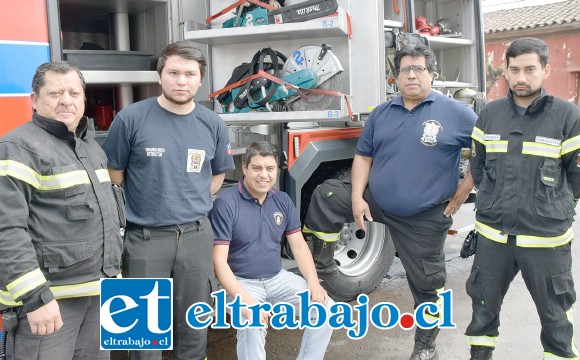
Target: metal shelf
(120,77)
(438,43)
(389,24)
(452,84)
(335,25)
(289,116)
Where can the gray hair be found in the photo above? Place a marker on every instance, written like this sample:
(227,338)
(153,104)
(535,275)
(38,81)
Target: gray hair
(60,67)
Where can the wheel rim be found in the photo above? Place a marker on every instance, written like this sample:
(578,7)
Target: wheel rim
(357,251)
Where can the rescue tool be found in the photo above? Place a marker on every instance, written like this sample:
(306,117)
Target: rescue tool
(253,13)
(265,84)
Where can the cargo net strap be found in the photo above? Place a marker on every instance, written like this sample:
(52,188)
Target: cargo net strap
(301,91)
(236,5)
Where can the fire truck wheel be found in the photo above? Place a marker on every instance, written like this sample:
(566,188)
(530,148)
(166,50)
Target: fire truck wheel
(363,259)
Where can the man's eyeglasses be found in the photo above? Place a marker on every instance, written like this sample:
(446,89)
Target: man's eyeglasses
(416,69)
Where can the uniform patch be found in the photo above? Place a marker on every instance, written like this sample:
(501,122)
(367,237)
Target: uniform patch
(229,149)
(195,160)
(578,160)
(278,218)
(156,152)
(547,140)
(492,137)
(430,130)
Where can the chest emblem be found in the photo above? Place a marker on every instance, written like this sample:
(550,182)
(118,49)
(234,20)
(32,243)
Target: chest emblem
(195,160)
(278,218)
(430,130)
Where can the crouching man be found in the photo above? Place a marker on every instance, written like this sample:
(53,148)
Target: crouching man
(249,220)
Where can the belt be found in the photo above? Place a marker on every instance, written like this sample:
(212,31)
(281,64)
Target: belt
(132,225)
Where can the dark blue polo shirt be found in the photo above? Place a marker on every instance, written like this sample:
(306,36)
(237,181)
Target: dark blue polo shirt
(253,231)
(415,153)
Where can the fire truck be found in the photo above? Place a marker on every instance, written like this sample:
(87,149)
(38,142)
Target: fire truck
(331,63)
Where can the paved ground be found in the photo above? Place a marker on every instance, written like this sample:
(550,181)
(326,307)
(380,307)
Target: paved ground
(520,330)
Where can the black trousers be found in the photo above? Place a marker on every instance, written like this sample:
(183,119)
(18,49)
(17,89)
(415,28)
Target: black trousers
(181,252)
(548,277)
(418,239)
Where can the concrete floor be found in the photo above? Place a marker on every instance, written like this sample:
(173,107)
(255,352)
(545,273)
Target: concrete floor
(519,332)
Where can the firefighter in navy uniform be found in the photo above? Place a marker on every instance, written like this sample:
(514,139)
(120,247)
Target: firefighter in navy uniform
(59,224)
(527,169)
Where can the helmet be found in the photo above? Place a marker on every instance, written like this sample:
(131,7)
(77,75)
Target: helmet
(421,24)
(466,95)
(441,27)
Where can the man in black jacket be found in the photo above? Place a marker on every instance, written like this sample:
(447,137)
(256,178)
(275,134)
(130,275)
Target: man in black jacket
(526,166)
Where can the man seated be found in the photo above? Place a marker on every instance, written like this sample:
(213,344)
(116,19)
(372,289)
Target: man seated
(249,220)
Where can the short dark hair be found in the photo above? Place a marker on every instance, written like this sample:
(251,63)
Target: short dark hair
(184,49)
(61,67)
(528,45)
(262,148)
(416,51)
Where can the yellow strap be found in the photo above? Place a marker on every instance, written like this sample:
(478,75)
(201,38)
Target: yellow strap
(328,237)
(481,340)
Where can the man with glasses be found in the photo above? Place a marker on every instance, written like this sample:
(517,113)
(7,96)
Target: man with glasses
(405,174)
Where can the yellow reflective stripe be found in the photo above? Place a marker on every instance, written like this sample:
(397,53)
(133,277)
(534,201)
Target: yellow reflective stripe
(570,145)
(92,288)
(328,237)
(6,299)
(439,303)
(103,175)
(544,241)
(19,171)
(24,173)
(570,315)
(550,356)
(496,146)
(478,135)
(65,180)
(540,149)
(481,340)
(490,233)
(26,283)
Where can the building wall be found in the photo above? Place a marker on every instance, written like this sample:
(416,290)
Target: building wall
(564,60)
(23,46)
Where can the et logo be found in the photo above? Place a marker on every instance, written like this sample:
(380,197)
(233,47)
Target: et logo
(136,314)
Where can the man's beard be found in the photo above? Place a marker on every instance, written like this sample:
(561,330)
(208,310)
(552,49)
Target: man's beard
(174,100)
(527,92)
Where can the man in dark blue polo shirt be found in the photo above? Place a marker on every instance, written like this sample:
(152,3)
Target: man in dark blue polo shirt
(405,175)
(248,221)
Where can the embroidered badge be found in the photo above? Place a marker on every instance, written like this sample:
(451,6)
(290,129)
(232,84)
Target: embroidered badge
(278,218)
(195,160)
(548,141)
(492,137)
(430,130)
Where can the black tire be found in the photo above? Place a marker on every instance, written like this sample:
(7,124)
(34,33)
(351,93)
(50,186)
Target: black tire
(363,258)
